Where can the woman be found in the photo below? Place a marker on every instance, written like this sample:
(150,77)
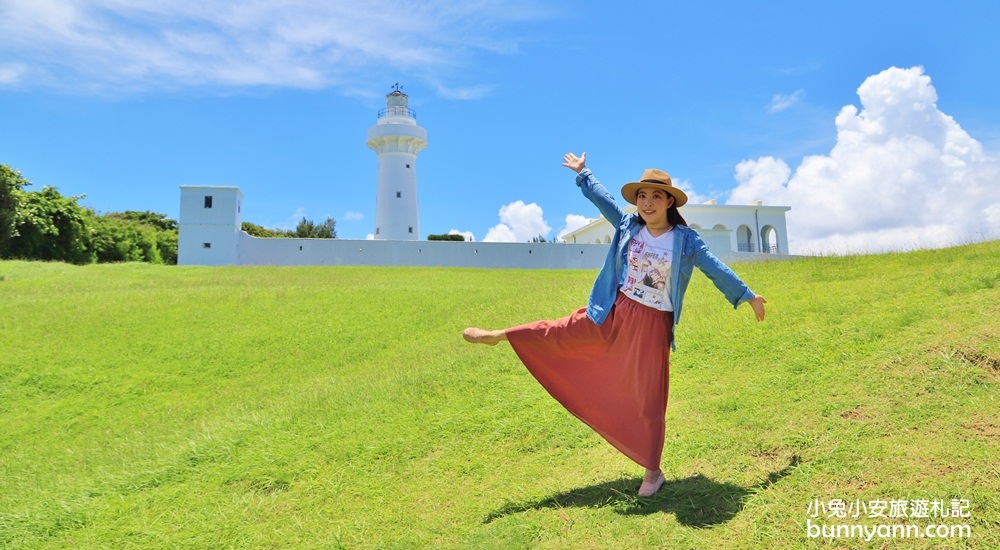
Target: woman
(608,363)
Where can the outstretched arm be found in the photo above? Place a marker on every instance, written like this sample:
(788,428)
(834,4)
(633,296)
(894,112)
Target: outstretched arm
(735,290)
(592,189)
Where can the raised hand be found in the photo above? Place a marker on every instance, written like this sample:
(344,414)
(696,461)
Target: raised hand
(575,163)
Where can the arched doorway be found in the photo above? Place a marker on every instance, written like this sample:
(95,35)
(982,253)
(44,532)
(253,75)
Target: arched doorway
(769,240)
(744,239)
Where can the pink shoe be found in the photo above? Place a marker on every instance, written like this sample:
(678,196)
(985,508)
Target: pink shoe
(648,489)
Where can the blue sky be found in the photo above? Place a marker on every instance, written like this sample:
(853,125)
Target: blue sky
(877,122)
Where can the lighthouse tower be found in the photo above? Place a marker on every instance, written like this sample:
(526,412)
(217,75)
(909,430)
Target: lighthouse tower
(397,139)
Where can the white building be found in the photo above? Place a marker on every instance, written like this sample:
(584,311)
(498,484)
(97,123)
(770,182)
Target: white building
(730,231)
(209,229)
(397,139)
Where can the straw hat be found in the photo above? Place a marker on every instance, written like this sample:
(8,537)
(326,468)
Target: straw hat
(659,179)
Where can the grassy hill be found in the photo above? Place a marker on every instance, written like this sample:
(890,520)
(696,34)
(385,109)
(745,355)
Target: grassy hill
(152,406)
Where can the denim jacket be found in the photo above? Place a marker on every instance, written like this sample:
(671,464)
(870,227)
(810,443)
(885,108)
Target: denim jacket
(689,251)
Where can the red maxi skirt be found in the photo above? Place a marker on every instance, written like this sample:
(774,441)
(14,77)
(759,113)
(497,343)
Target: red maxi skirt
(613,377)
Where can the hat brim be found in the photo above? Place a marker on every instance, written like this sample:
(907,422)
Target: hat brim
(630,190)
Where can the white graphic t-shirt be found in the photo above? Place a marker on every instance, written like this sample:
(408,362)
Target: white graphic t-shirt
(647,275)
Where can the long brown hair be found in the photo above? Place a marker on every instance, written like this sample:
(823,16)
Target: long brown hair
(674,215)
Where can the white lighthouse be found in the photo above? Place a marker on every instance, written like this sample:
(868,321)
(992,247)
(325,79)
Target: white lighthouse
(397,139)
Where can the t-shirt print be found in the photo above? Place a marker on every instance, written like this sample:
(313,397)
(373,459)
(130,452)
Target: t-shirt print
(647,279)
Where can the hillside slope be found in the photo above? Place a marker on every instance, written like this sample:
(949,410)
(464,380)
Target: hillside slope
(154,406)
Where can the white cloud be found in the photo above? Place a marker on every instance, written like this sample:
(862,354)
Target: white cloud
(12,73)
(781,102)
(353,216)
(902,175)
(764,177)
(469,237)
(464,93)
(500,233)
(111,45)
(573,222)
(693,196)
(519,222)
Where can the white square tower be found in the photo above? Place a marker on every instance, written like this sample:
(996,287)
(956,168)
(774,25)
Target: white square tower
(210,225)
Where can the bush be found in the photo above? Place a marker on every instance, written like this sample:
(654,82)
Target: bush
(255,230)
(49,226)
(153,219)
(11,185)
(306,229)
(44,225)
(449,237)
(117,238)
(166,241)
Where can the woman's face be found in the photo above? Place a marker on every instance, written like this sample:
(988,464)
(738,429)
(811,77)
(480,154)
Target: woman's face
(653,204)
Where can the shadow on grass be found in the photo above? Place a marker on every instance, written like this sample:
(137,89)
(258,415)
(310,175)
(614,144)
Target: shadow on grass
(696,501)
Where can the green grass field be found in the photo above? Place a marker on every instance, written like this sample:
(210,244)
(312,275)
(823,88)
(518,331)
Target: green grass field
(181,407)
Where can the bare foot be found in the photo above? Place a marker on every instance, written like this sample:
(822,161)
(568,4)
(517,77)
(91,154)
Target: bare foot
(480,336)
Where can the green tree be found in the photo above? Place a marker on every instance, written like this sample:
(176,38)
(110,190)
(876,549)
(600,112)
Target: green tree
(11,189)
(45,225)
(305,228)
(327,229)
(132,236)
(166,241)
(117,239)
(50,226)
(311,230)
(255,230)
(153,219)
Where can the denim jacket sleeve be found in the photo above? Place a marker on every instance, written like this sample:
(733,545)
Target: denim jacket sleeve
(602,296)
(731,286)
(599,195)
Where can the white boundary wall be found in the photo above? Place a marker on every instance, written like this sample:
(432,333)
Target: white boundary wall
(210,234)
(303,252)
(256,251)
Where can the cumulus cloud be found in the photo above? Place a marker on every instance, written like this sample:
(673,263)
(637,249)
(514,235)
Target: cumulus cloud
(901,175)
(573,222)
(469,237)
(694,197)
(350,216)
(102,45)
(501,233)
(780,102)
(519,222)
